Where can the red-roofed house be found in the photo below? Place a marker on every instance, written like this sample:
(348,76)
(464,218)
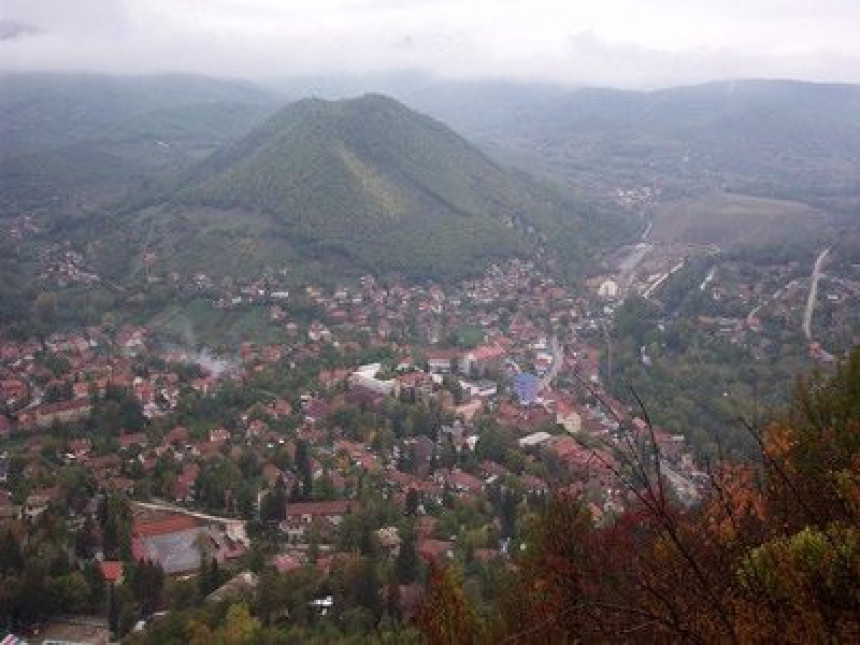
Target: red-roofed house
(62,412)
(567,417)
(163,526)
(219,436)
(112,571)
(482,360)
(285,563)
(330,378)
(440,360)
(463,481)
(409,599)
(534,484)
(486,555)
(271,473)
(132,439)
(178,435)
(434,550)
(316,411)
(300,515)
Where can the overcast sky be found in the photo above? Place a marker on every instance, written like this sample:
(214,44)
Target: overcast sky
(629,43)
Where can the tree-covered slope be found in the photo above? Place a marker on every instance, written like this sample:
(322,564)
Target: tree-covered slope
(44,111)
(77,142)
(367,185)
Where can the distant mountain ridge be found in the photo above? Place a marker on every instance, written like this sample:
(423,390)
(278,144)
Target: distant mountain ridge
(368,184)
(41,111)
(777,137)
(76,142)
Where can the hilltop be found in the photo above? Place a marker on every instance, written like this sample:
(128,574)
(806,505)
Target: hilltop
(359,185)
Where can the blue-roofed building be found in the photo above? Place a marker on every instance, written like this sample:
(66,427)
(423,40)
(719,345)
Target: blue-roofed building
(526,387)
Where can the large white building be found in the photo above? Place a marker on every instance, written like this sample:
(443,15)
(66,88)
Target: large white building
(608,289)
(365,377)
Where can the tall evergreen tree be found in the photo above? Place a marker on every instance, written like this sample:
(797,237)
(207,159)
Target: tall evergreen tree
(367,592)
(274,506)
(508,514)
(116,528)
(412,502)
(10,553)
(446,616)
(304,470)
(406,565)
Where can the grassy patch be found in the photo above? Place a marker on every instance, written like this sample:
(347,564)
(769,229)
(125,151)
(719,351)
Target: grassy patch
(726,219)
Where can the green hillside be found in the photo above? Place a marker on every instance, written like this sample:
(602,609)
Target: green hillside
(46,111)
(359,185)
(74,143)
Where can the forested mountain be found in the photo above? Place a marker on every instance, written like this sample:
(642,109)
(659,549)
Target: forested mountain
(326,180)
(359,185)
(750,134)
(786,139)
(75,142)
(46,111)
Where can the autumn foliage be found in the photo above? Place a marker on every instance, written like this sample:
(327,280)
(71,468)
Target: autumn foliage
(771,554)
(446,616)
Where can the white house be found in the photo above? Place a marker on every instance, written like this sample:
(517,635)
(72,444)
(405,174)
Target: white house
(608,289)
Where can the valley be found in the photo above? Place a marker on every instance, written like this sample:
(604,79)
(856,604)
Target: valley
(294,359)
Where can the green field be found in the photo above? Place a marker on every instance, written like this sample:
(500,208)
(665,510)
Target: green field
(727,219)
(198,323)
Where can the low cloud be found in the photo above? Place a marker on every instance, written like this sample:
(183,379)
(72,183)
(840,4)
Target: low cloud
(624,43)
(13,30)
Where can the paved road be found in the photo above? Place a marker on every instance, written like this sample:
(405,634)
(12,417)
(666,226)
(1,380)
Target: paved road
(235,528)
(557,360)
(684,487)
(650,290)
(776,294)
(813,294)
(708,278)
(647,232)
(627,266)
(37,395)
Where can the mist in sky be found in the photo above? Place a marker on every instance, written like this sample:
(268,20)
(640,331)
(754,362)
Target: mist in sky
(626,43)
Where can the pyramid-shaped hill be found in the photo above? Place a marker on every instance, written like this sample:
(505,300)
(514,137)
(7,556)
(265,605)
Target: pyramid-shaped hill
(358,185)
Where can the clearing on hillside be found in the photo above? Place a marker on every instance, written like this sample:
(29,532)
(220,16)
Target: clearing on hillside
(726,219)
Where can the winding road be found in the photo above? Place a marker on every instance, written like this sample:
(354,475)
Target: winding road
(813,294)
(37,395)
(627,266)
